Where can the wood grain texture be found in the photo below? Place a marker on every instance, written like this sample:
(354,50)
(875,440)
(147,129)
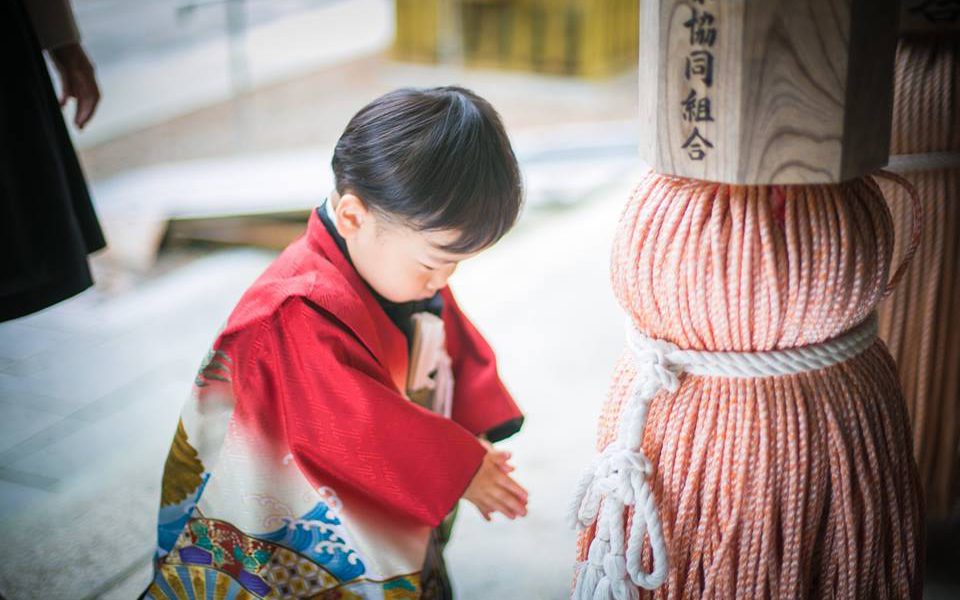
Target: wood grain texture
(801,90)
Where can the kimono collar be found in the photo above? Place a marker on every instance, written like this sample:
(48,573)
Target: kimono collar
(365,316)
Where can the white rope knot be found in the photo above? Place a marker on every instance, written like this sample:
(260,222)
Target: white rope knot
(626,462)
(618,478)
(615,566)
(651,358)
(595,556)
(619,473)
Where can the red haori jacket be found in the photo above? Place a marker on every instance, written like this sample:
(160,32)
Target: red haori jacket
(320,366)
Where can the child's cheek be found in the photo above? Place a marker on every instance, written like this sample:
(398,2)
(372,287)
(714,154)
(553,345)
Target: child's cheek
(419,282)
(409,282)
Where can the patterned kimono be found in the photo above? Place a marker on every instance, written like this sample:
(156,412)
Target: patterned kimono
(300,468)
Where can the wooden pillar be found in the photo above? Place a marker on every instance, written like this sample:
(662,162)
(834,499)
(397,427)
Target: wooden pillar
(758,235)
(771,91)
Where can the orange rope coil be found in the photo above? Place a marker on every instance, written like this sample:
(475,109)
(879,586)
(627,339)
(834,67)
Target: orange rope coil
(791,486)
(921,320)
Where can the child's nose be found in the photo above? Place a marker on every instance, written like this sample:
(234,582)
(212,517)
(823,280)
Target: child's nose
(437,282)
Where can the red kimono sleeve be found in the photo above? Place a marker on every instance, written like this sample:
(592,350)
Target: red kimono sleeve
(481,403)
(346,424)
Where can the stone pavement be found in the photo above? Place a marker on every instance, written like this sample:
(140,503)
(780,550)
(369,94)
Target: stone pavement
(91,390)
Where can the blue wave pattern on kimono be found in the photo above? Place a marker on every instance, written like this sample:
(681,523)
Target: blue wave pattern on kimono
(172,519)
(317,535)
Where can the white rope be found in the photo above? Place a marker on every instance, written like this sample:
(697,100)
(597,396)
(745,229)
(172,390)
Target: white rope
(618,479)
(930,161)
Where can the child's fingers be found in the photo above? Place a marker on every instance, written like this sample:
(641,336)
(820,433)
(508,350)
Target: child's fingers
(483,507)
(509,504)
(513,487)
(500,456)
(506,468)
(494,501)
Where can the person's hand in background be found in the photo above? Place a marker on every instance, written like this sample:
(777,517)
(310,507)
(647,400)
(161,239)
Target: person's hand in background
(77,80)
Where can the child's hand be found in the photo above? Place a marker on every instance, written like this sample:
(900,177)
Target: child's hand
(504,466)
(492,490)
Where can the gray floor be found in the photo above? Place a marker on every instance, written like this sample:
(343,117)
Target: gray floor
(92,389)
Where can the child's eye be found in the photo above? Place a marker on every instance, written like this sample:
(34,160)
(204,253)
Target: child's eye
(427,267)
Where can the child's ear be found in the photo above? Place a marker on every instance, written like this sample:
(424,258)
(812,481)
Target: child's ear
(351,213)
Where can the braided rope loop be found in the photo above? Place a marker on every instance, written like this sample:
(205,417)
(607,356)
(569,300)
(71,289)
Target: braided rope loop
(619,478)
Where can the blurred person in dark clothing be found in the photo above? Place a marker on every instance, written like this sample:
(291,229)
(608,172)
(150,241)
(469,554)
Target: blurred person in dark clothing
(47,222)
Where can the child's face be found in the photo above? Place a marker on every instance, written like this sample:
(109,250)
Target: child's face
(400,263)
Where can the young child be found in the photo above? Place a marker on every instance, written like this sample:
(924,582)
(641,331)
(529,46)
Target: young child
(300,467)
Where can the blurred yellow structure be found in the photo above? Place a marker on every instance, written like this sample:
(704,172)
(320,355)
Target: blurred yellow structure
(589,38)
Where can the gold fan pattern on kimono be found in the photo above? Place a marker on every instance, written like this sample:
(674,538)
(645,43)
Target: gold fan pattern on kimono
(183,471)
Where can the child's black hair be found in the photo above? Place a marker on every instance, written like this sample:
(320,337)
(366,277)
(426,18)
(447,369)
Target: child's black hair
(436,159)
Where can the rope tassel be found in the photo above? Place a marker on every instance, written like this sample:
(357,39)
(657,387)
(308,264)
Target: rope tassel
(619,478)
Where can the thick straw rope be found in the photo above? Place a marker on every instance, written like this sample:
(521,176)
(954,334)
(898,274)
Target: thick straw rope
(618,478)
(794,486)
(920,322)
(908,163)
